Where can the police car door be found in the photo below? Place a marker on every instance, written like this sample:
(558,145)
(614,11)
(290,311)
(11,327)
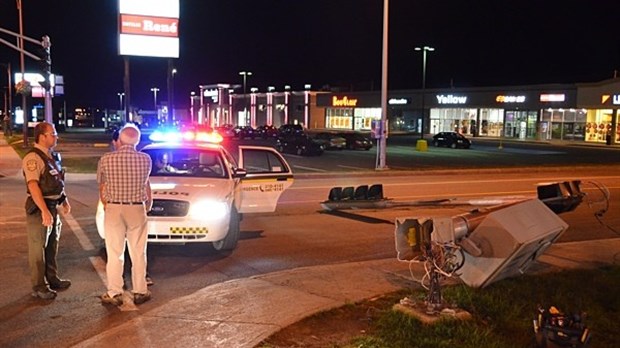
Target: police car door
(268,175)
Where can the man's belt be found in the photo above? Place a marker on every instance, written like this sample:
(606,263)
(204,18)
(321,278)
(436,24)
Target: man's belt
(126,203)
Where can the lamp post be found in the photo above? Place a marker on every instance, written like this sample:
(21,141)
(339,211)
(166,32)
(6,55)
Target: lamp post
(8,105)
(192,96)
(121,108)
(120,97)
(170,88)
(155,90)
(381,163)
(174,72)
(424,50)
(21,61)
(245,75)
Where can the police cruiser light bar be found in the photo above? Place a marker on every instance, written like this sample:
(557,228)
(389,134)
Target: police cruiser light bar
(175,136)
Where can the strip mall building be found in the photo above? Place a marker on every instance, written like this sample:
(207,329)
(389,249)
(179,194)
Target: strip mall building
(578,112)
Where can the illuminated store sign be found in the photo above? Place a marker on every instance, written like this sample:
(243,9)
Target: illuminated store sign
(552,97)
(148,28)
(153,26)
(344,101)
(510,99)
(398,101)
(451,99)
(615,99)
(212,93)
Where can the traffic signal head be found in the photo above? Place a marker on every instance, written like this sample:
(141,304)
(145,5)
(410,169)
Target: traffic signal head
(46,60)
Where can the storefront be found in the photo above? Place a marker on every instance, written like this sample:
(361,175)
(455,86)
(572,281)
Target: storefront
(350,111)
(573,112)
(491,112)
(601,102)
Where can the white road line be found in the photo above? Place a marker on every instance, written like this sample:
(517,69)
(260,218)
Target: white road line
(79,232)
(312,169)
(351,167)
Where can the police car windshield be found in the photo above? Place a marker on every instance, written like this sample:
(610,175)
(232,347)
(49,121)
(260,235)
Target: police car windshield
(192,163)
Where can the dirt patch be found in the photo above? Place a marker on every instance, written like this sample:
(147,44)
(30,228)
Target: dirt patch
(335,328)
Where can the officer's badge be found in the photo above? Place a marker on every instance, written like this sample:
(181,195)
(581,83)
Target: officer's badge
(31,165)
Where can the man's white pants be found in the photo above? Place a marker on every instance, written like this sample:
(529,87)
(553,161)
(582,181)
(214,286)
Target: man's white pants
(125,222)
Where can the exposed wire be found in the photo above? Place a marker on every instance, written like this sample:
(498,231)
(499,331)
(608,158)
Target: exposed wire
(598,214)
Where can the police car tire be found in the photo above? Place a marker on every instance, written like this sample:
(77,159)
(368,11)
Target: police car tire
(230,241)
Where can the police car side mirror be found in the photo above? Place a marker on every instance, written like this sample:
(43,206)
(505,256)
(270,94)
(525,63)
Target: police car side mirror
(240,173)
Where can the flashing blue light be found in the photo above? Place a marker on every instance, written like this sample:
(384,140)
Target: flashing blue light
(166,135)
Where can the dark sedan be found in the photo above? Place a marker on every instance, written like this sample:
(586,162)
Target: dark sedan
(357,141)
(267,131)
(301,145)
(243,132)
(451,139)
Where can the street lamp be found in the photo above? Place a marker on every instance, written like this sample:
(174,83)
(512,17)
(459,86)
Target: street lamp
(155,90)
(424,50)
(21,62)
(120,97)
(245,75)
(192,96)
(170,87)
(121,108)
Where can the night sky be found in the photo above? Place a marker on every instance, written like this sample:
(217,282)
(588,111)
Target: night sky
(333,43)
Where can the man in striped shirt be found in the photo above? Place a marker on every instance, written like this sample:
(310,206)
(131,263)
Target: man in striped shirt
(123,178)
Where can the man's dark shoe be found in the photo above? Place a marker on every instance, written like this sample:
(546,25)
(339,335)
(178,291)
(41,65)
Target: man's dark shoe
(149,281)
(46,294)
(60,284)
(141,298)
(117,300)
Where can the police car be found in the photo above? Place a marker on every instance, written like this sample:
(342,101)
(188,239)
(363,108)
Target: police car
(200,190)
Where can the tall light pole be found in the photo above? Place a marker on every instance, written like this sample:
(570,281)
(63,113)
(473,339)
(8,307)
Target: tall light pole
(424,50)
(8,105)
(192,96)
(170,87)
(21,61)
(120,97)
(381,151)
(173,72)
(155,90)
(245,75)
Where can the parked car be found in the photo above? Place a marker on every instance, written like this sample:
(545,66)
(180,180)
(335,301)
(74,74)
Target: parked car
(243,132)
(357,141)
(329,141)
(267,132)
(226,130)
(290,129)
(451,139)
(299,144)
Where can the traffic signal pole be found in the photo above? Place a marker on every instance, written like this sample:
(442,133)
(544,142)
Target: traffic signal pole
(44,58)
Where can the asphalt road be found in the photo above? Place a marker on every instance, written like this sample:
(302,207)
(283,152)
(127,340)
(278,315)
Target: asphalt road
(299,234)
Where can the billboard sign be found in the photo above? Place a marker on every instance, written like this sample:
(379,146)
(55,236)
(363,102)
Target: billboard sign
(148,28)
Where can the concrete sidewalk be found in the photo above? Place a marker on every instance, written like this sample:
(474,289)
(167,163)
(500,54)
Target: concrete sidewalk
(244,312)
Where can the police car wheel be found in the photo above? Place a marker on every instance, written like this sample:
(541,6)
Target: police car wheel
(230,241)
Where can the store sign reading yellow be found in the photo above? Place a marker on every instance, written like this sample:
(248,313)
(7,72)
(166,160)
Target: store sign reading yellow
(451,99)
(344,101)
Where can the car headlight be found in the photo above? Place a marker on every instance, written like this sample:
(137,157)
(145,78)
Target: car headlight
(208,210)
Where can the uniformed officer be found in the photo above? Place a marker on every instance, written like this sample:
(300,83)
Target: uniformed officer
(46,190)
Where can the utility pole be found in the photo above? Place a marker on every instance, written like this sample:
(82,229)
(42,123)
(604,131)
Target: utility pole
(381,151)
(21,62)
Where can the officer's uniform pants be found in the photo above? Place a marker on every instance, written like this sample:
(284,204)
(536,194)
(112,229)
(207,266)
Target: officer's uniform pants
(42,249)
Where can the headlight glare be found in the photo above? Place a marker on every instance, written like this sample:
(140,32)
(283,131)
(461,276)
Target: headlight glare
(208,210)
